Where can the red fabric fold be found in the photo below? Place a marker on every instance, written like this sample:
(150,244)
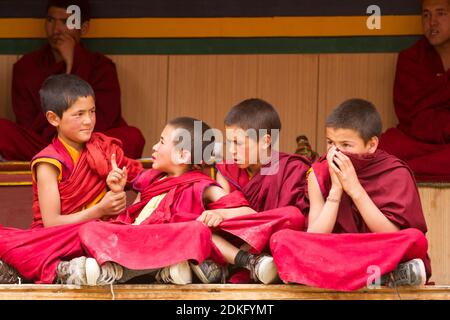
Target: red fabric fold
(286,186)
(343,261)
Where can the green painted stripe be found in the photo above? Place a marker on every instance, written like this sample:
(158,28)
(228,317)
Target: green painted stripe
(226,45)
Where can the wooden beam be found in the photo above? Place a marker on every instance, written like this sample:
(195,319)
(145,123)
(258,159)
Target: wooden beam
(214,292)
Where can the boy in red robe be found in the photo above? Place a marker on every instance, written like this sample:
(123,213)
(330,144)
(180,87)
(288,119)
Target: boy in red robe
(422,99)
(63,54)
(69,184)
(365,216)
(274,183)
(159,234)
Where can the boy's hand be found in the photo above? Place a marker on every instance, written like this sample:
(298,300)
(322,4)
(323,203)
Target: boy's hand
(112,203)
(117,178)
(347,175)
(212,218)
(66,46)
(335,182)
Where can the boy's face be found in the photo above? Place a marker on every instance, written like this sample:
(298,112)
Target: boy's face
(436,21)
(243,146)
(166,155)
(77,122)
(348,140)
(55,26)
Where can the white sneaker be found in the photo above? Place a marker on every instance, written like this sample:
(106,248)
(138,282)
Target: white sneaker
(263,269)
(108,273)
(410,273)
(72,272)
(179,273)
(209,272)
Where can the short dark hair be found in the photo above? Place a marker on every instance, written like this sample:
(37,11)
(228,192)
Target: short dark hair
(59,92)
(84,5)
(189,124)
(255,114)
(356,114)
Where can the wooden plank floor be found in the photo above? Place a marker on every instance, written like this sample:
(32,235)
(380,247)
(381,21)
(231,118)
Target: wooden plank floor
(214,292)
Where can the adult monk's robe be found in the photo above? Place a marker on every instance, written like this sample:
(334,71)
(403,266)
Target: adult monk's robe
(167,235)
(36,253)
(32,132)
(342,260)
(277,192)
(422,105)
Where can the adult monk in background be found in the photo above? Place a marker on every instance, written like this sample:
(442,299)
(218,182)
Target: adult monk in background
(422,98)
(63,54)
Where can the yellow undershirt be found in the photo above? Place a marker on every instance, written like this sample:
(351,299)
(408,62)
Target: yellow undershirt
(74,155)
(149,208)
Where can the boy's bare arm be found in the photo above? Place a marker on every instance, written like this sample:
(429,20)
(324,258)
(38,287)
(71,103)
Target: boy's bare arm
(50,203)
(322,214)
(223,182)
(212,218)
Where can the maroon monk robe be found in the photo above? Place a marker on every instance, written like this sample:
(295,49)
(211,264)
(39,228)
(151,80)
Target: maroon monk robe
(340,261)
(279,198)
(286,187)
(32,132)
(422,105)
(36,253)
(168,236)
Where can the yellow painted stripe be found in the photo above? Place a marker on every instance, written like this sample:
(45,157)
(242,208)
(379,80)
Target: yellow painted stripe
(223,27)
(15,172)
(15,184)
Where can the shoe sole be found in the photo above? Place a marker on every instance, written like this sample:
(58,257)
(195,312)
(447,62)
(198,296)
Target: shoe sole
(198,272)
(423,274)
(92,271)
(181,273)
(269,272)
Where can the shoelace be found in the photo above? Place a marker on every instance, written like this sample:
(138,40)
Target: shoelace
(75,271)
(392,279)
(110,272)
(163,275)
(252,267)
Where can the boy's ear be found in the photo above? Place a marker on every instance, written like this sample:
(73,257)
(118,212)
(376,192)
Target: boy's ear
(85,28)
(266,141)
(53,118)
(185,157)
(373,144)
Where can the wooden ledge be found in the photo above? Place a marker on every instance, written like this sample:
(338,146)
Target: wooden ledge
(214,292)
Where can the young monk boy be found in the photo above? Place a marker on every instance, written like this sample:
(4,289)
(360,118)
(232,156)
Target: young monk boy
(69,184)
(159,232)
(365,215)
(274,183)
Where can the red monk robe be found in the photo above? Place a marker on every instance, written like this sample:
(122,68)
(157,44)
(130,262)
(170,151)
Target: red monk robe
(36,253)
(422,105)
(32,132)
(286,187)
(279,198)
(168,236)
(340,260)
